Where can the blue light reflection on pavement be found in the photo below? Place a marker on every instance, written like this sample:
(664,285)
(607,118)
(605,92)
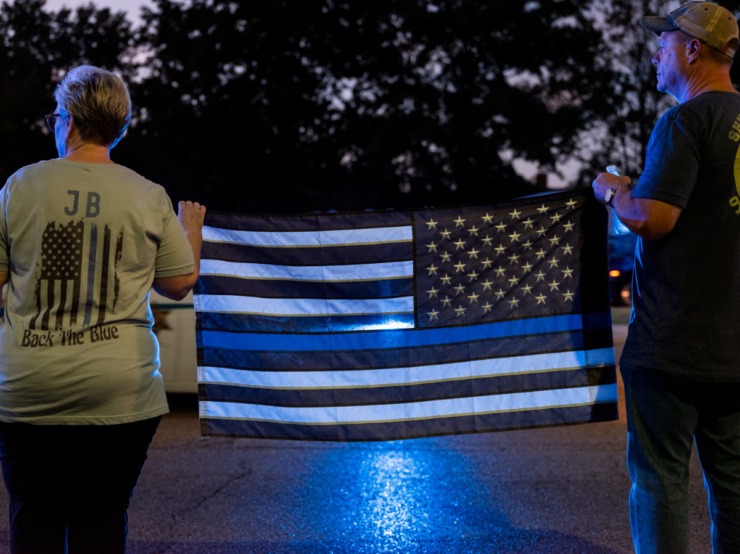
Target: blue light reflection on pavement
(395,491)
(400,496)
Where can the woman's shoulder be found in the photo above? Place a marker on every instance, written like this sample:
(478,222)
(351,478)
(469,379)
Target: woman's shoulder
(138,182)
(31,172)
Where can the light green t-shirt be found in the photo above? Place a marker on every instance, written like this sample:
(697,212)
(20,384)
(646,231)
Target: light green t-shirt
(82,244)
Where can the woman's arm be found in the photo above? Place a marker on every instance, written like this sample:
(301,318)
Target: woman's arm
(191,216)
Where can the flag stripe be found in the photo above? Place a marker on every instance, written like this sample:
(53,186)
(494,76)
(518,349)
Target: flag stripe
(531,400)
(337,254)
(405,429)
(59,319)
(408,375)
(282,307)
(104,267)
(90,284)
(356,272)
(417,391)
(304,324)
(315,238)
(306,222)
(390,288)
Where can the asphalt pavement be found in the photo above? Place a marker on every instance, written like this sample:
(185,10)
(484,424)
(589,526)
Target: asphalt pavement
(556,490)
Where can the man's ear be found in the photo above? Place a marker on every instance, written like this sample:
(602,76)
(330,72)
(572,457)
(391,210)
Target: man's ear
(693,47)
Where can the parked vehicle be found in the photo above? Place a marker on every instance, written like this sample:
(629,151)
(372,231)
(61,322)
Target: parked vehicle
(621,263)
(174,325)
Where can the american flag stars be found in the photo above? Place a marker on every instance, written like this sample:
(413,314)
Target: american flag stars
(61,251)
(477,265)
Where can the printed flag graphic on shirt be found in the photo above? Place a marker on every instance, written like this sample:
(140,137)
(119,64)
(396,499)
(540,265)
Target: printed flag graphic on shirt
(392,325)
(78,280)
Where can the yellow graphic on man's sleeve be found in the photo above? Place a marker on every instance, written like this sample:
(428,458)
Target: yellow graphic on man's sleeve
(735,136)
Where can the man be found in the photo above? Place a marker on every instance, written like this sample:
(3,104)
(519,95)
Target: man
(681,360)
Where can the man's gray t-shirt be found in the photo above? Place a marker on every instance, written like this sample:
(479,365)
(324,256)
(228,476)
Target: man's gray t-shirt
(82,244)
(686,286)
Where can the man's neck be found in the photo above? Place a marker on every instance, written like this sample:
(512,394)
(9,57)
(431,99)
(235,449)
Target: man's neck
(714,81)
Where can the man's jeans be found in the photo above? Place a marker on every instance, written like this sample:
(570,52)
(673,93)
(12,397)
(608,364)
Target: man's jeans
(665,416)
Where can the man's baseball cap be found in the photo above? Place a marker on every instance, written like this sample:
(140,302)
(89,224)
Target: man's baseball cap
(712,24)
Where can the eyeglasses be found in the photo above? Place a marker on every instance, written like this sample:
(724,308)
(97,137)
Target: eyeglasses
(51,121)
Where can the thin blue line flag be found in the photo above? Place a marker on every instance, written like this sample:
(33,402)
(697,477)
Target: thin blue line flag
(391,325)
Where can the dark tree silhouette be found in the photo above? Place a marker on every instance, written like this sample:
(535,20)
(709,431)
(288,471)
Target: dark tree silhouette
(37,48)
(621,133)
(286,105)
(279,105)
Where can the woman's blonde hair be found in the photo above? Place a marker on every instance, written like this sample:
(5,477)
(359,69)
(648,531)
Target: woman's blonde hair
(99,102)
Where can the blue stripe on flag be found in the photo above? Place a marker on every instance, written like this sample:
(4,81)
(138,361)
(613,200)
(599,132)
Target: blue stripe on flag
(504,347)
(391,338)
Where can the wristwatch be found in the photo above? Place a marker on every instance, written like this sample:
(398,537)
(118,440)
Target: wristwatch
(609,196)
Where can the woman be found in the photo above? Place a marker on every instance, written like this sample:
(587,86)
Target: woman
(82,242)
